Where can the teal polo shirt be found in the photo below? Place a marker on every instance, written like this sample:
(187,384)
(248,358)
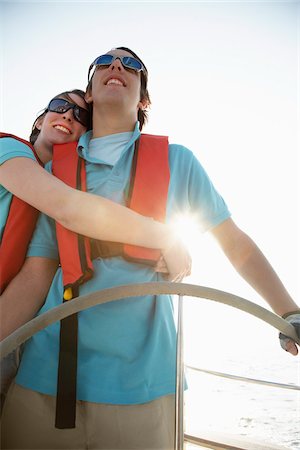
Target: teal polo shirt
(126,349)
(10,148)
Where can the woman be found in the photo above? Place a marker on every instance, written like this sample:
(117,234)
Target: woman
(21,174)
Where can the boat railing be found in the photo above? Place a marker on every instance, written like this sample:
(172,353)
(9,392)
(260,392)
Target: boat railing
(229,376)
(156,288)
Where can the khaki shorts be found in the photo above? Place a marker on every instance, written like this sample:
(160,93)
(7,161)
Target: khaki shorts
(8,369)
(28,423)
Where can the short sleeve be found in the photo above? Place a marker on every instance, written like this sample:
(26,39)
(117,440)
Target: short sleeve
(12,148)
(191,190)
(43,242)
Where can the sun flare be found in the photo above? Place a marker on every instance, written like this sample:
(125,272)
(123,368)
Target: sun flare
(187,229)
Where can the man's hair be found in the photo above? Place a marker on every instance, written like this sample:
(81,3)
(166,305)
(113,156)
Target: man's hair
(66,95)
(144,94)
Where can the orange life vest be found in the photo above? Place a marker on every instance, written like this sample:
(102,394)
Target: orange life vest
(19,227)
(148,193)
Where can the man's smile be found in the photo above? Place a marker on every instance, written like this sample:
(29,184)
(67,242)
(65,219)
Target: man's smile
(115,80)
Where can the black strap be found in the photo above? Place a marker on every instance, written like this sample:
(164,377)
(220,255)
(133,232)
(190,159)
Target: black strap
(133,171)
(67,363)
(67,373)
(105,249)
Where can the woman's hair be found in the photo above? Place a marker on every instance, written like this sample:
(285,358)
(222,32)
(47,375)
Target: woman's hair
(66,95)
(144,94)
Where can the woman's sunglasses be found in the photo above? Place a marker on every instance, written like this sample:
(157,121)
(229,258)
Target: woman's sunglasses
(127,61)
(60,106)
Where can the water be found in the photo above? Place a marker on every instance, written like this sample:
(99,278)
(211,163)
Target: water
(223,339)
(260,413)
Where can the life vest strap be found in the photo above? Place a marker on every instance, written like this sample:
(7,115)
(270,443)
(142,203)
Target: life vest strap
(105,249)
(67,374)
(67,371)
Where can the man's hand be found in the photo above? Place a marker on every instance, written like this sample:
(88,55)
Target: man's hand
(286,343)
(175,262)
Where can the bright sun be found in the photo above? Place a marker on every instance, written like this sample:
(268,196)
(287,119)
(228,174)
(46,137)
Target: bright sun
(186,227)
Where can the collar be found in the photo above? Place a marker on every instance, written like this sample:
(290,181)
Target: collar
(83,143)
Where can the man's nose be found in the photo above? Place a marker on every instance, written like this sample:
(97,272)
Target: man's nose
(116,65)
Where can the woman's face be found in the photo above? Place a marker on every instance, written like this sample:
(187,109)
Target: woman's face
(60,128)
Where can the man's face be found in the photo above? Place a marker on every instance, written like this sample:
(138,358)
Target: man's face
(114,85)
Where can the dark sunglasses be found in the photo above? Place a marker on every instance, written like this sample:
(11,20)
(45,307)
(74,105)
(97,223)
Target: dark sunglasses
(127,61)
(60,106)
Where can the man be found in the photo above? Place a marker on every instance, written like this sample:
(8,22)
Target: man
(126,350)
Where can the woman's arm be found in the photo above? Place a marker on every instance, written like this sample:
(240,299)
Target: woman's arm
(78,211)
(26,293)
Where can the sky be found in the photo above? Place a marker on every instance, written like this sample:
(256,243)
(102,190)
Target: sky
(224,82)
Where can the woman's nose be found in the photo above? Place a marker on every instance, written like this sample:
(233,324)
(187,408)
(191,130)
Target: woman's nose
(68,115)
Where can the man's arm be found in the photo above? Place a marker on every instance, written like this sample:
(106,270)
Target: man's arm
(26,293)
(253,266)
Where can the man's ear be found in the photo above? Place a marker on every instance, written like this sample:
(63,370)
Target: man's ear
(143,104)
(88,96)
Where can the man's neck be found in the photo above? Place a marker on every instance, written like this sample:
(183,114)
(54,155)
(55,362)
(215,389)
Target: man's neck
(104,125)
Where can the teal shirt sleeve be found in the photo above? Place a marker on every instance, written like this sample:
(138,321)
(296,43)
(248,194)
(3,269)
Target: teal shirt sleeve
(43,242)
(12,148)
(191,190)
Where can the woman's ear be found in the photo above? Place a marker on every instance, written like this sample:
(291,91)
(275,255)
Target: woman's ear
(38,124)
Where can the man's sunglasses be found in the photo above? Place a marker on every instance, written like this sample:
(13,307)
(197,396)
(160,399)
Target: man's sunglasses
(60,106)
(127,61)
